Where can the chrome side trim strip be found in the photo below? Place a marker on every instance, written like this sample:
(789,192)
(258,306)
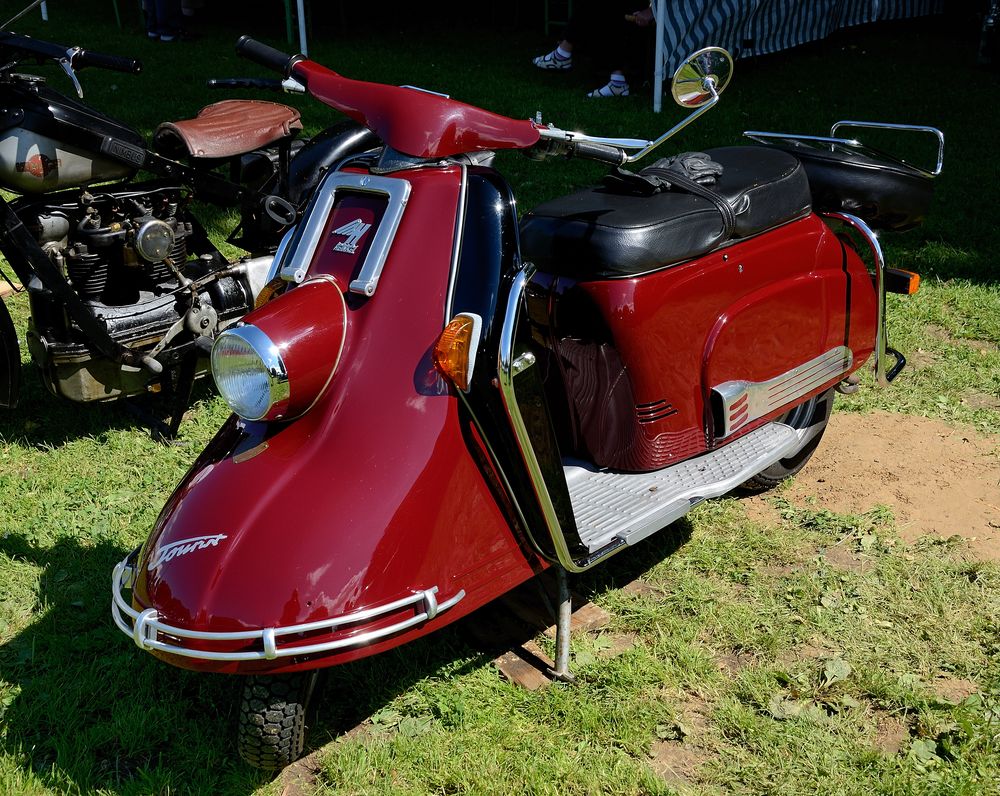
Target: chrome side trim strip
(913,128)
(881,332)
(145,628)
(746,401)
(456,246)
(299,252)
(507,368)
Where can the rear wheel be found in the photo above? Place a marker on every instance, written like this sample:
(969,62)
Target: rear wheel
(809,417)
(272,720)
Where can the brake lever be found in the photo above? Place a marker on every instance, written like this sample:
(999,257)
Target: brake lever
(67,65)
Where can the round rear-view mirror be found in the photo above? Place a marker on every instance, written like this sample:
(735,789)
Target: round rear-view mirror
(704,75)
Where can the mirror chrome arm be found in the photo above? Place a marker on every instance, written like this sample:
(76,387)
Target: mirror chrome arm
(710,85)
(644,146)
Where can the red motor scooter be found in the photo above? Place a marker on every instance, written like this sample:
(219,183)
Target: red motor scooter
(440,402)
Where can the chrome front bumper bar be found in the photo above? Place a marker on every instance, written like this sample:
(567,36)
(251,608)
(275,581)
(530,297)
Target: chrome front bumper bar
(149,633)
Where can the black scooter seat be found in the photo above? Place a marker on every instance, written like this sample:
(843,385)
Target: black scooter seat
(598,234)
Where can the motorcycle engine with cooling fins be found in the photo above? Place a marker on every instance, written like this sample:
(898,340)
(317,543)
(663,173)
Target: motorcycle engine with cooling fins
(148,270)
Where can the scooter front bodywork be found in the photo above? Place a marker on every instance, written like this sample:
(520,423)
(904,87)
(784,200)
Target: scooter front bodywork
(363,524)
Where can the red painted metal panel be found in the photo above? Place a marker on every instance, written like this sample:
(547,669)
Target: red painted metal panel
(370,495)
(413,122)
(749,311)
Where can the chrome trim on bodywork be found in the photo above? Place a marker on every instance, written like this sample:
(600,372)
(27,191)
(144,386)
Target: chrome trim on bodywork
(881,332)
(746,401)
(832,140)
(912,128)
(279,389)
(509,366)
(145,628)
(456,244)
(300,250)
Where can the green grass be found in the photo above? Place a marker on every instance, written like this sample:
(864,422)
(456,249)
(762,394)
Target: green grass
(758,657)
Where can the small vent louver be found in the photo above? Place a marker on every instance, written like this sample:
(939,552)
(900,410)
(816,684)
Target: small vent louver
(653,411)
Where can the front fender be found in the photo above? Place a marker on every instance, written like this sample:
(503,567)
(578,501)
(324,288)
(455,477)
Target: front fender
(374,494)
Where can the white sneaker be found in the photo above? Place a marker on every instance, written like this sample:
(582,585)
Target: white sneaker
(614,88)
(553,60)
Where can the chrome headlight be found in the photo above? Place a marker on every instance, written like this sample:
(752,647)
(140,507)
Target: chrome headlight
(250,373)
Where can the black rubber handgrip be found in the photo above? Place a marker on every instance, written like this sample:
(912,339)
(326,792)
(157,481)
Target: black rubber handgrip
(116,63)
(262,54)
(271,83)
(604,153)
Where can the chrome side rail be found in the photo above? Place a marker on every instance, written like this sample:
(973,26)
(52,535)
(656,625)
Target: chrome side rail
(881,333)
(507,368)
(144,627)
(913,128)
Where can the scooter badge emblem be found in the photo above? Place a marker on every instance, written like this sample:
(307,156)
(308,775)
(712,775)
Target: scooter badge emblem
(182,547)
(353,232)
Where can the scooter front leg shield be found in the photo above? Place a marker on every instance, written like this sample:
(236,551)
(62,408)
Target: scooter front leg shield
(362,525)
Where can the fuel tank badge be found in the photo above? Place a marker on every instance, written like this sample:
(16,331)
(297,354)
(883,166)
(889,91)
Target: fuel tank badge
(353,233)
(182,547)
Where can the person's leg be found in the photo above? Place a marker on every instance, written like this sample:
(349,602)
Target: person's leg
(168,19)
(617,86)
(560,58)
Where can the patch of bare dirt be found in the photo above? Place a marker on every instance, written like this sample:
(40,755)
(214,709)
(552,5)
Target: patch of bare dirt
(839,557)
(733,662)
(891,734)
(953,689)
(812,650)
(676,762)
(639,588)
(937,479)
(301,777)
(618,643)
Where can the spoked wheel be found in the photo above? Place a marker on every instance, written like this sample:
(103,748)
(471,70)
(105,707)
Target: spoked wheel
(809,417)
(272,720)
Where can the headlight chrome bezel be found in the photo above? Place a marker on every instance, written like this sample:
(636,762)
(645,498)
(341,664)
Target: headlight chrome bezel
(272,368)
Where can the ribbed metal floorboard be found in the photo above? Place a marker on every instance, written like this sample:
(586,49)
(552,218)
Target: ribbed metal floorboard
(631,506)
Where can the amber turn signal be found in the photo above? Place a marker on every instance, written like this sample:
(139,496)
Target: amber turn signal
(455,350)
(899,281)
(271,290)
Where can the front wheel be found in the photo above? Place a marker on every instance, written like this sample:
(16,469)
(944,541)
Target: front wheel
(272,720)
(810,419)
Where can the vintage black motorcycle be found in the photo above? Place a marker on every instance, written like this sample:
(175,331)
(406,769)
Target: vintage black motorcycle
(126,290)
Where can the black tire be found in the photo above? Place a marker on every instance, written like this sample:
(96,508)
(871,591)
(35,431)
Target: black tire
(272,720)
(814,412)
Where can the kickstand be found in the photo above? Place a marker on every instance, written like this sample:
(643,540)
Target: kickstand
(564,615)
(175,396)
(179,392)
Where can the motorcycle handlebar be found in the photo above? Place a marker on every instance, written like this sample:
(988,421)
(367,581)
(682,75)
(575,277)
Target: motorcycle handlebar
(58,52)
(245,82)
(267,56)
(116,63)
(603,153)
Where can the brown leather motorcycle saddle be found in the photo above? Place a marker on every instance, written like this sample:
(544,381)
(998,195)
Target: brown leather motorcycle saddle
(228,128)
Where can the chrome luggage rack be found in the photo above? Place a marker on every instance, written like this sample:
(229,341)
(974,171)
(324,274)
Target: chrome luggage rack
(145,628)
(831,141)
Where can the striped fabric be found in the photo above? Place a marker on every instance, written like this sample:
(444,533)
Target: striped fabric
(759,27)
